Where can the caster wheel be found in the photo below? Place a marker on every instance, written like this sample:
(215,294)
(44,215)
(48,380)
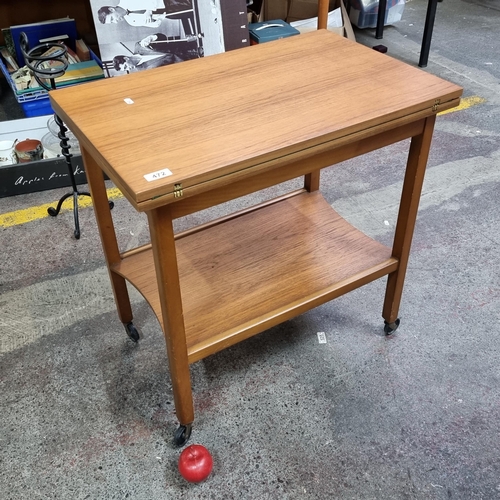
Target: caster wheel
(111,205)
(390,328)
(182,434)
(52,211)
(132,331)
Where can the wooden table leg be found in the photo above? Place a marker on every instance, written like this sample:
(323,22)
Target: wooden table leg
(95,179)
(311,181)
(410,197)
(167,274)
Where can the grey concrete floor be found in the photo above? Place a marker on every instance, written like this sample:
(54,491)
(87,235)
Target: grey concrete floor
(87,414)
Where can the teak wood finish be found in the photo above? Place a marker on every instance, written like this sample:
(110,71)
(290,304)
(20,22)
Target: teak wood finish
(230,125)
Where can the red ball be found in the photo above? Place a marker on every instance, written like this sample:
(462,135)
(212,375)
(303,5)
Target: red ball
(195,463)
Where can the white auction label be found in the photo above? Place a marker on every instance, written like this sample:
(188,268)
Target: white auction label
(321,338)
(160,174)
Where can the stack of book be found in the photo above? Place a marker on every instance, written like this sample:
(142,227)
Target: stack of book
(78,71)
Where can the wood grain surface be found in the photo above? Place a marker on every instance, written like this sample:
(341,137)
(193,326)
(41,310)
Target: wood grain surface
(207,118)
(253,271)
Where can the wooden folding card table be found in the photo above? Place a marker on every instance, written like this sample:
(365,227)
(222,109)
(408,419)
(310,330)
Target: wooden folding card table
(182,138)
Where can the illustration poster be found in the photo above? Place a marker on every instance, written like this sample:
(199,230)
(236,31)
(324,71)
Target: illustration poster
(135,35)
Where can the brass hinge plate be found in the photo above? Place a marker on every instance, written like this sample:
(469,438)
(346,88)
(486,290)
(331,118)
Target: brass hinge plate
(178,190)
(437,102)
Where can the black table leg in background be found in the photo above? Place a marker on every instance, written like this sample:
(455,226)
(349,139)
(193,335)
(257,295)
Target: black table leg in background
(429,26)
(382,7)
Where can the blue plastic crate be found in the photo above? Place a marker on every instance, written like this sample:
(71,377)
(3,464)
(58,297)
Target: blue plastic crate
(39,107)
(34,102)
(364,13)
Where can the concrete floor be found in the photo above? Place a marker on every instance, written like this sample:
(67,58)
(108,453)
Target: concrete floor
(87,414)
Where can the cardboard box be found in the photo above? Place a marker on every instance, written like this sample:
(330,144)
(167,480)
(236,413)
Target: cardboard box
(255,11)
(268,31)
(276,9)
(308,9)
(22,178)
(295,10)
(305,9)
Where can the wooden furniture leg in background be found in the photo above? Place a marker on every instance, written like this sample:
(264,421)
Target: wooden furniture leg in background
(167,275)
(102,210)
(323,14)
(410,197)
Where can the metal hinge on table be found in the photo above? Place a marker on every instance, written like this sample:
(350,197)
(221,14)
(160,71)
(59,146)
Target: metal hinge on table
(437,102)
(178,190)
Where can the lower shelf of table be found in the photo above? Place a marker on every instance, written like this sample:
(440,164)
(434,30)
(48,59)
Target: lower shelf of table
(254,271)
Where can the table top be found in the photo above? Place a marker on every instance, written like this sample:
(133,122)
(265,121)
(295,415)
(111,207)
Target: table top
(197,121)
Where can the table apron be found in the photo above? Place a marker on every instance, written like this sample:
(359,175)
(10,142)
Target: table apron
(230,187)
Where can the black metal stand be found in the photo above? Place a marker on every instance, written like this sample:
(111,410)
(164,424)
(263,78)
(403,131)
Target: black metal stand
(35,60)
(75,193)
